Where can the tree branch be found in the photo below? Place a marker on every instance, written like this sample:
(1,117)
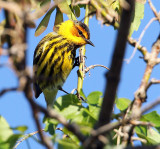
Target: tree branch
(133,43)
(8,90)
(140,94)
(151,105)
(139,40)
(154,10)
(113,76)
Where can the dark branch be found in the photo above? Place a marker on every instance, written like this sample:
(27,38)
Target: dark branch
(8,90)
(113,76)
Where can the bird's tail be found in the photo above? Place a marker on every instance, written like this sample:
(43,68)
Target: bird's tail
(50,97)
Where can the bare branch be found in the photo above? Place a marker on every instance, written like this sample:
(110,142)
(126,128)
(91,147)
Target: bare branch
(93,66)
(153,81)
(154,10)
(140,94)
(80,2)
(137,123)
(151,105)
(139,139)
(26,137)
(133,42)
(151,62)
(139,40)
(157,60)
(12,7)
(8,90)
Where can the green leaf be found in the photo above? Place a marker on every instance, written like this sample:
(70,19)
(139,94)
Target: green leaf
(69,2)
(152,137)
(21,128)
(122,103)
(44,23)
(65,101)
(116,6)
(50,128)
(69,106)
(13,139)
(154,118)
(64,7)
(7,138)
(85,118)
(46,2)
(76,10)
(67,144)
(82,94)
(94,97)
(5,130)
(59,17)
(137,16)
(94,109)
(82,6)
(4,145)
(71,136)
(40,6)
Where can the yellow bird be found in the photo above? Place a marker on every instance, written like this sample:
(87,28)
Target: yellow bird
(54,57)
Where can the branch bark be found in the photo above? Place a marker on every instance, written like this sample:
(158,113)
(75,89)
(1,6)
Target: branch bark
(113,76)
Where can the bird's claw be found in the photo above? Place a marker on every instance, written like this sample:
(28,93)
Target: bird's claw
(78,61)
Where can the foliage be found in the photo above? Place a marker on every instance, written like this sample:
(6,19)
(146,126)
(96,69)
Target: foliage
(8,138)
(73,12)
(84,113)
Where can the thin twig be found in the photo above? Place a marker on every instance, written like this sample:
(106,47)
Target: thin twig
(26,137)
(139,40)
(137,123)
(139,139)
(151,105)
(133,42)
(154,10)
(93,66)
(81,2)
(8,90)
(103,129)
(118,136)
(119,132)
(153,81)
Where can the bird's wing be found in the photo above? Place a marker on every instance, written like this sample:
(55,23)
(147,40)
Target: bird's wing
(37,54)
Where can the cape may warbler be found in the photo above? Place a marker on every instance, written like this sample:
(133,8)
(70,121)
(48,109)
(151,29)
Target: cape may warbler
(54,57)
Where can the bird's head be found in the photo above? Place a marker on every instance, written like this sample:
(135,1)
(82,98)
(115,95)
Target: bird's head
(75,32)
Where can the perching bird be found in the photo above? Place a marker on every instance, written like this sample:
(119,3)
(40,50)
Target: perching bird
(54,57)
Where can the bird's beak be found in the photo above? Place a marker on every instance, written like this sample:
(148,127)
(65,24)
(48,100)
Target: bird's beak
(89,42)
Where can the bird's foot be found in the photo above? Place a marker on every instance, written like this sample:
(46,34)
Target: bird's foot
(78,60)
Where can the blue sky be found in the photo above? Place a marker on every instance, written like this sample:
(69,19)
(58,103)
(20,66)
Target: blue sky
(15,108)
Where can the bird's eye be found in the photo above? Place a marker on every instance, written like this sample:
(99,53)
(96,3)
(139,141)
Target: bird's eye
(80,32)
